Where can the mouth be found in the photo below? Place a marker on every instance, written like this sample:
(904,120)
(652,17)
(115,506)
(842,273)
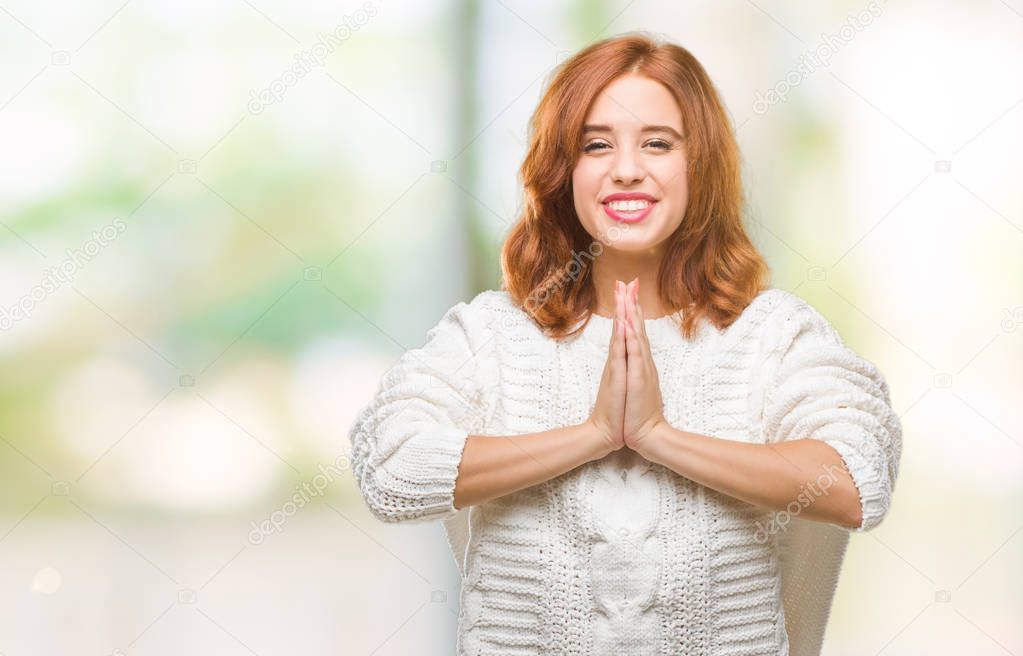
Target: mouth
(629,211)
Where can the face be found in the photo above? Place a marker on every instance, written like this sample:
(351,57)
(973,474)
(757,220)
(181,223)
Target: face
(629,184)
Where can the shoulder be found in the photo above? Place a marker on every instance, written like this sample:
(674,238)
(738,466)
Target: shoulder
(780,308)
(497,311)
(774,302)
(798,335)
(763,317)
(767,303)
(794,316)
(783,317)
(481,316)
(490,300)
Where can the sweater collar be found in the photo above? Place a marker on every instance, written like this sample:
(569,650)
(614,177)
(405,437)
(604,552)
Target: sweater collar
(663,332)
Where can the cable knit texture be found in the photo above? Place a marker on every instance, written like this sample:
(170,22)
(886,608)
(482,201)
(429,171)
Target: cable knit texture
(620,555)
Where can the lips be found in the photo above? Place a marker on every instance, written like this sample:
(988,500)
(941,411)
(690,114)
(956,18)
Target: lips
(628,207)
(629,195)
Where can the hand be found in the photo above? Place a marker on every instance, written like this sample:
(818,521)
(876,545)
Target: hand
(643,403)
(609,410)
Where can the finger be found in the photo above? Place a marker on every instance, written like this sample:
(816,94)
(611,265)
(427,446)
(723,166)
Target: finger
(614,322)
(639,314)
(622,316)
(632,348)
(644,336)
(641,319)
(617,332)
(625,302)
(631,304)
(618,338)
(637,323)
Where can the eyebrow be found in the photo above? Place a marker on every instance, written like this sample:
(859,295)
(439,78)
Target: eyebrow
(646,128)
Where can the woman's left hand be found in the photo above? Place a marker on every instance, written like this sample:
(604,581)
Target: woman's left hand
(643,402)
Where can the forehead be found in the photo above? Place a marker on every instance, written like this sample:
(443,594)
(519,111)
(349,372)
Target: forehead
(631,101)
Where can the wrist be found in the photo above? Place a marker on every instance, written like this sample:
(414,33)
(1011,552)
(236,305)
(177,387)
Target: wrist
(597,443)
(658,435)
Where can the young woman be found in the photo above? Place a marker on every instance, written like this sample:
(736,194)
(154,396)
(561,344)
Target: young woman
(636,447)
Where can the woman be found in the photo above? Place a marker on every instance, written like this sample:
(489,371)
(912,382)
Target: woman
(617,484)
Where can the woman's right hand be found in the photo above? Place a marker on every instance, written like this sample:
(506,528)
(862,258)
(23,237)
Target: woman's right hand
(609,410)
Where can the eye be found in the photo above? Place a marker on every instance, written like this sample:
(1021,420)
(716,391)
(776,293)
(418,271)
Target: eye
(657,143)
(593,146)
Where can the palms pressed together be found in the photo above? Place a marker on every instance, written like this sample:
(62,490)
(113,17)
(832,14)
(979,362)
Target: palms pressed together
(629,404)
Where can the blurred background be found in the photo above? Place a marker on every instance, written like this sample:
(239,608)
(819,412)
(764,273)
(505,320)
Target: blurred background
(220,222)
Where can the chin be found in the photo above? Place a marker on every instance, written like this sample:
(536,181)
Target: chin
(632,237)
(629,245)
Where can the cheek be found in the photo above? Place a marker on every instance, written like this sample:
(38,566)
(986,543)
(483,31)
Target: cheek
(583,170)
(673,182)
(676,194)
(585,184)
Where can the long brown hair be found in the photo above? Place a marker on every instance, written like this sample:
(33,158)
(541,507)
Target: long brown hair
(710,268)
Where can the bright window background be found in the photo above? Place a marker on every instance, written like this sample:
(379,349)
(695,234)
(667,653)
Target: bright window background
(241,268)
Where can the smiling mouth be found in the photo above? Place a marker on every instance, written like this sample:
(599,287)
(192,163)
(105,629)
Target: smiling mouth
(628,211)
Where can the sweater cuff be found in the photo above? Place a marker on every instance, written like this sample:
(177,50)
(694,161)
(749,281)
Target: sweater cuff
(424,488)
(871,489)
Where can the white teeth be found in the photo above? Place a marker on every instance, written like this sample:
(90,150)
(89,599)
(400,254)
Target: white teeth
(628,205)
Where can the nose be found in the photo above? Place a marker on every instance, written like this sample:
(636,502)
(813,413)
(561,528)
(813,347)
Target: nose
(626,168)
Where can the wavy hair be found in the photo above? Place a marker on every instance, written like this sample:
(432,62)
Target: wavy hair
(710,269)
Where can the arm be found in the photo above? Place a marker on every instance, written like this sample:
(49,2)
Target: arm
(765,475)
(407,442)
(816,388)
(831,442)
(769,476)
(495,466)
(417,451)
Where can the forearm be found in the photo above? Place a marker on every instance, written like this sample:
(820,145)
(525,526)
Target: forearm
(807,473)
(492,467)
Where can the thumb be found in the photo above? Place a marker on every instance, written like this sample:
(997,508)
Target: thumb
(616,349)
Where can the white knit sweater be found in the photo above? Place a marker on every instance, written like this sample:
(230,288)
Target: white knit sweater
(630,560)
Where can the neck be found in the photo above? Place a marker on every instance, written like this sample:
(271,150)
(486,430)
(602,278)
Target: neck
(615,265)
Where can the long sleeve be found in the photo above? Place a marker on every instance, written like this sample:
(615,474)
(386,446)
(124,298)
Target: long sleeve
(407,442)
(813,386)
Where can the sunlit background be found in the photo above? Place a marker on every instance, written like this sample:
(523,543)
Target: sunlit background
(221,221)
